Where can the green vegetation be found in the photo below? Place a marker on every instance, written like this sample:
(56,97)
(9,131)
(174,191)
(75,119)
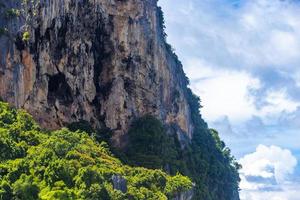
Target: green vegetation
(24,10)
(100,135)
(206,160)
(211,164)
(36,164)
(75,163)
(150,146)
(12,13)
(3,31)
(26,36)
(170,50)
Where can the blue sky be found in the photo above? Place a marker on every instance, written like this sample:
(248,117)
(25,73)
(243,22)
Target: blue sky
(243,60)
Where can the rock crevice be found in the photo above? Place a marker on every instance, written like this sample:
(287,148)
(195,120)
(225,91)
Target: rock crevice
(102,61)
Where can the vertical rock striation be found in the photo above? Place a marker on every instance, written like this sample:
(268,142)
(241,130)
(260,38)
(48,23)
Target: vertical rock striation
(103,61)
(107,62)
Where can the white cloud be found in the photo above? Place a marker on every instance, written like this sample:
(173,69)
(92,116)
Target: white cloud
(243,60)
(277,101)
(284,43)
(223,49)
(271,32)
(268,163)
(222,92)
(227,93)
(260,33)
(287,193)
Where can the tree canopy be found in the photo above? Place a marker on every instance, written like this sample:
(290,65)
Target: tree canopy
(38,164)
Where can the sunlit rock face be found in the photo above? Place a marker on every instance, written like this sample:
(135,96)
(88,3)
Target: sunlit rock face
(103,61)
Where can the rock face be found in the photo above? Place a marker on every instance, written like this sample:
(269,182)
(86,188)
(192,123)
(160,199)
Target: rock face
(107,62)
(119,183)
(185,195)
(103,61)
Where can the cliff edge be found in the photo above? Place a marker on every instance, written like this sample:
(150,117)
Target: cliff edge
(103,61)
(106,62)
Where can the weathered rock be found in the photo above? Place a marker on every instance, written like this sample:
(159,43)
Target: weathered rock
(119,183)
(103,61)
(185,195)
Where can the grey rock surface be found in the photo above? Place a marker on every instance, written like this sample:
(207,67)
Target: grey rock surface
(103,61)
(119,183)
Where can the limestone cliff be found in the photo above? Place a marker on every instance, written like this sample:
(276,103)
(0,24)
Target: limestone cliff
(107,62)
(103,61)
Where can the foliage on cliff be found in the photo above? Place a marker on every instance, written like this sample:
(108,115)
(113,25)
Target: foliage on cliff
(23,10)
(206,160)
(36,164)
(68,165)
(150,146)
(210,163)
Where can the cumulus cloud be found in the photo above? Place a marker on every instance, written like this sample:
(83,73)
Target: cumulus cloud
(266,174)
(235,93)
(268,162)
(222,92)
(243,60)
(256,33)
(228,47)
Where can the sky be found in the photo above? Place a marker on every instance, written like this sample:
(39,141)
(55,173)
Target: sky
(243,59)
